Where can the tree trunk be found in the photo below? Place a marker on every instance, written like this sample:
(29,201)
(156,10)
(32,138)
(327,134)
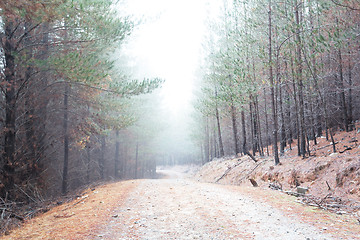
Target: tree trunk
(252,126)
(66,140)
(259,135)
(211,143)
(271,76)
(41,115)
(288,129)
(221,146)
(88,158)
(10,109)
(234,126)
(244,147)
(102,157)
(312,120)
(342,91)
(282,126)
(207,141)
(136,161)
(350,101)
(116,159)
(29,104)
(299,74)
(266,124)
(243,125)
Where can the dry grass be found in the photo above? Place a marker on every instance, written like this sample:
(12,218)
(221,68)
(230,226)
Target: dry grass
(78,219)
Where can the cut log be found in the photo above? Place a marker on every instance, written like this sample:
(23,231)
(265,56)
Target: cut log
(253,182)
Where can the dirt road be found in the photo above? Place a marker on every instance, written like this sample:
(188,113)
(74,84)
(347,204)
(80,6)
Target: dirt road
(184,209)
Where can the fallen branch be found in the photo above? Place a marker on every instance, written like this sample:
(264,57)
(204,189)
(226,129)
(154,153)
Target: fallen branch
(346,149)
(251,171)
(328,185)
(329,145)
(11,214)
(228,170)
(322,200)
(295,194)
(81,200)
(32,199)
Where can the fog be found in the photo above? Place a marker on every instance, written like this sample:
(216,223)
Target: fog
(167,43)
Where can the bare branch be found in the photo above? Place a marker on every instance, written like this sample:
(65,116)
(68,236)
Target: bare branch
(344,5)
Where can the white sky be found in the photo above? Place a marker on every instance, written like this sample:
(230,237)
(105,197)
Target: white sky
(168,45)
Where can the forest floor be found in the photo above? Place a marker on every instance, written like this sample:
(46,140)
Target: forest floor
(219,202)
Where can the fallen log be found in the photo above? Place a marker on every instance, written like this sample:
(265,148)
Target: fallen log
(251,156)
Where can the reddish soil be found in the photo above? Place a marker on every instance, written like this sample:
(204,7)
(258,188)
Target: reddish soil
(332,179)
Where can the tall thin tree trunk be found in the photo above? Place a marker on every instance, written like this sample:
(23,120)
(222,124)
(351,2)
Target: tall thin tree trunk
(252,126)
(282,126)
(136,160)
(102,156)
(66,140)
(288,129)
(317,119)
(207,140)
(88,158)
(296,106)
(29,104)
(244,146)
(216,150)
(259,136)
(300,84)
(211,143)
(257,125)
(10,109)
(116,159)
(272,86)
(234,126)
(350,100)
(266,124)
(221,146)
(312,120)
(203,161)
(342,92)
(243,125)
